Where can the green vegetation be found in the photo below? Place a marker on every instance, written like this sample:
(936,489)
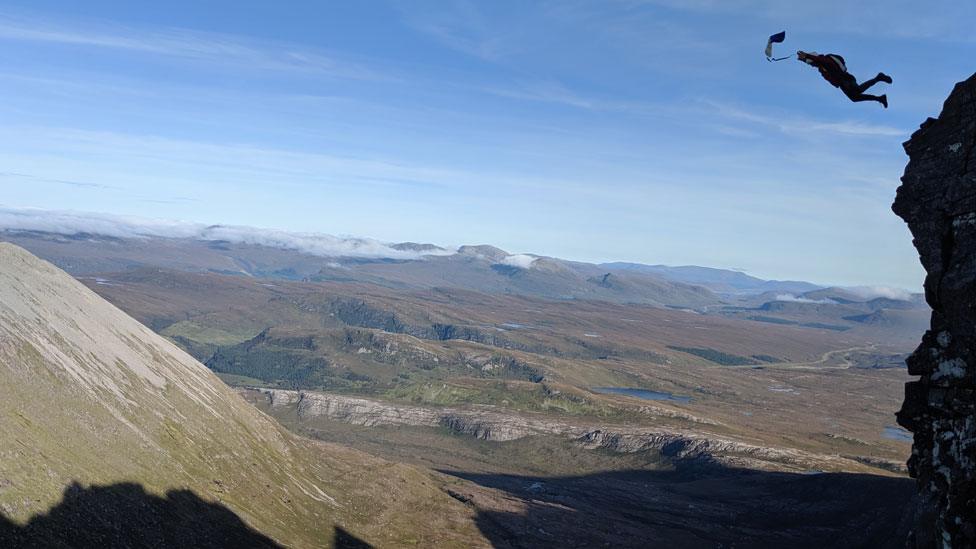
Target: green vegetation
(519,396)
(510,367)
(426,446)
(818,325)
(773,320)
(241,381)
(352,360)
(202,341)
(284,367)
(716,356)
(206,334)
(822,326)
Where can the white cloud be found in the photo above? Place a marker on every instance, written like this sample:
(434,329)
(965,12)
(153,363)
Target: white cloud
(30,178)
(208,47)
(873,292)
(239,161)
(943,20)
(846,127)
(71,223)
(794,299)
(522,261)
(795,125)
(554,92)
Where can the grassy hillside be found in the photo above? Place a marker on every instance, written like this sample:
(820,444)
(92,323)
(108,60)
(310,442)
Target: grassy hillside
(91,398)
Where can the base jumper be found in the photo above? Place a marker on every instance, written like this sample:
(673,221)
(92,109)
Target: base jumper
(834,70)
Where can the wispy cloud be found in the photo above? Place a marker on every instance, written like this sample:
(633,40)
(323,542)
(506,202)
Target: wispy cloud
(941,20)
(479,46)
(253,165)
(845,127)
(471,28)
(554,92)
(33,178)
(873,292)
(248,161)
(792,124)
(173,200)
(188,44)
(71,223)
(460,25)
(547,92)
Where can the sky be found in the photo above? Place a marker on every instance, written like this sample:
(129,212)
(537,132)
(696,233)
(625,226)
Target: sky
(650,131)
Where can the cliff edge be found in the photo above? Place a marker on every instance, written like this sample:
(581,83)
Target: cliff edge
(937,199)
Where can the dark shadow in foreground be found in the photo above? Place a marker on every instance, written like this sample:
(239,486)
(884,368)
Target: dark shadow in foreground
(125,515)
(345,540)
(693,506)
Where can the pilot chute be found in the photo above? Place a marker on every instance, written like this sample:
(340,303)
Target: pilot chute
(777,38)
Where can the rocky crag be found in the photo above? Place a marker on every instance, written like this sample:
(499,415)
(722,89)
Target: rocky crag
(494,424)
(937,199)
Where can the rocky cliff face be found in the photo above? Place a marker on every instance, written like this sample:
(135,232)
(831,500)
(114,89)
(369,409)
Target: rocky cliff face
(937,199)
(494,424)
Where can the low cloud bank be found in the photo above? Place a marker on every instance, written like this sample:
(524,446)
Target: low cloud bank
(863,293)
(794,299)
(522,261)
(872,292)
(72,223)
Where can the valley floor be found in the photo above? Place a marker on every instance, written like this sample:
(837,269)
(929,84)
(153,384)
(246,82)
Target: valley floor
(549,491)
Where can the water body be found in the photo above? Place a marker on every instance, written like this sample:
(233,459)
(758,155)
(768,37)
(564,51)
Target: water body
(897,433)
(641,393)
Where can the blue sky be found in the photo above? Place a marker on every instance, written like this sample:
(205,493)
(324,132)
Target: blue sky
(650,131)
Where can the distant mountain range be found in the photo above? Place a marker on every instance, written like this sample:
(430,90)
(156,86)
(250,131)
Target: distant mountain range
(718,280)
(89,244)
(478,268)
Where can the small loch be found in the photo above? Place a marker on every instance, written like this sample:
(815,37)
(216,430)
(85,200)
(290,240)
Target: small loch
(645,394)
(897,433)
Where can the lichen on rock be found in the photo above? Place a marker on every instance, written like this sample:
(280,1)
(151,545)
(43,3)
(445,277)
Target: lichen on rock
(937,199)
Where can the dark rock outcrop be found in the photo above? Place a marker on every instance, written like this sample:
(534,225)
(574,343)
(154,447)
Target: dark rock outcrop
(937,199)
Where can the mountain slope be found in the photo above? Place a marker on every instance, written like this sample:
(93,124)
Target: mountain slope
(490,270)
(91,397)
(722,281)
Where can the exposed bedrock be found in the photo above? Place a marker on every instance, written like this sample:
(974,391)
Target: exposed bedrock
(494,424)
(937,199)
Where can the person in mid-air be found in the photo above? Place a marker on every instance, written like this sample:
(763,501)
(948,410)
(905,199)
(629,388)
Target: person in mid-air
(834,70)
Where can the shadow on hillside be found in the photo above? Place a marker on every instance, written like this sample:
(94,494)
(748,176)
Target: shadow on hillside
(693,507)
(125,515)
(345,540)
